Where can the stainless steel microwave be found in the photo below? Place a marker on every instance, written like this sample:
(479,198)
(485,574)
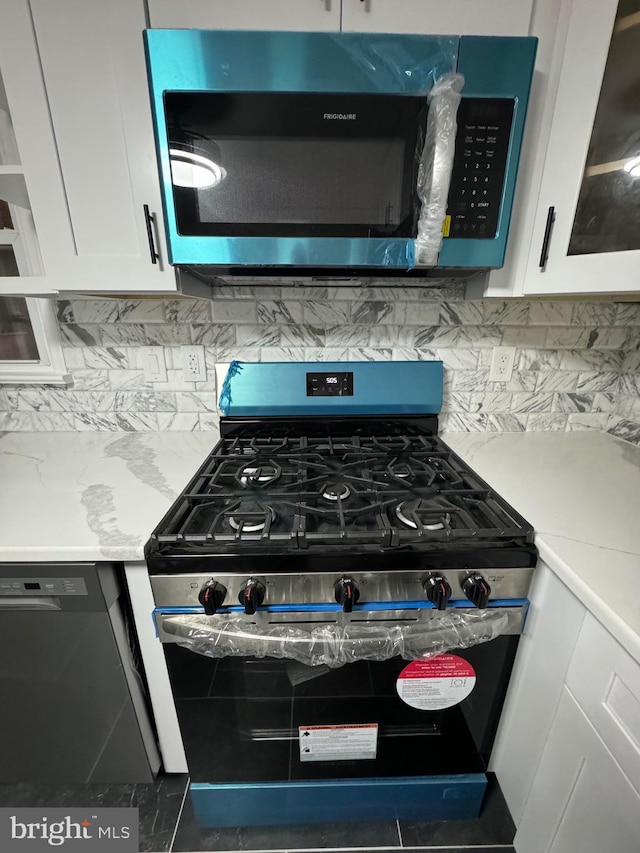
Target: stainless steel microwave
(337,151)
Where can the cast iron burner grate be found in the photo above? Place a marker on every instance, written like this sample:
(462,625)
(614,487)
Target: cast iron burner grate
(300,492)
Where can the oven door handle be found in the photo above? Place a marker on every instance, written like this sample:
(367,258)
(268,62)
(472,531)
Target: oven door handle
(335,643)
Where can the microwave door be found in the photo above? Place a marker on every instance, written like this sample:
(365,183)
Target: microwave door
(295,165)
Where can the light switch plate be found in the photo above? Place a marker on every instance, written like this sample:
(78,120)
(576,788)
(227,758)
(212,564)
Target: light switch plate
(155,368)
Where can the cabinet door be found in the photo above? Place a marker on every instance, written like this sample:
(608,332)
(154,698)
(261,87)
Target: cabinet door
(94,70)
(544,653)
(30,182)
(588,206)
(605,681)
(312,15)
(457,17)
(581,800)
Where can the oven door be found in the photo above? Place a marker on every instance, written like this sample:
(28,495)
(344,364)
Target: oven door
(278,741)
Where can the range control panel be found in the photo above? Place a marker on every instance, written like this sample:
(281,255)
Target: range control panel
(330,384)
(479,164)
(42,586)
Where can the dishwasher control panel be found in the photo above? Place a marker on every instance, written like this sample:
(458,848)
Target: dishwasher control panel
(42,586)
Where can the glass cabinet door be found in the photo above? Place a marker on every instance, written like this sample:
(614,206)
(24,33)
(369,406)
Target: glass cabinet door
(586,236)
(608,213)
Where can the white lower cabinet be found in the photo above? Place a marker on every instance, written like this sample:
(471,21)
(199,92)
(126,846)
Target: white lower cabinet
(581,801)
(567,753)
(553,624)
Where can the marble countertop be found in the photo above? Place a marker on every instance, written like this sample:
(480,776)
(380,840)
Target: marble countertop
(98,496)
(581,492)
(90,495)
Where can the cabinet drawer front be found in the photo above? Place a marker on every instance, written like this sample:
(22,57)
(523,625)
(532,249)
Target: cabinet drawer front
(605,681)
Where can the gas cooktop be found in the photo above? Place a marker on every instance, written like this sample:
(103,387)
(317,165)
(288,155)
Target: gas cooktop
(370,486)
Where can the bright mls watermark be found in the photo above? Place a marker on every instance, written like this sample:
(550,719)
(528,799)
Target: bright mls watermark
(69,830)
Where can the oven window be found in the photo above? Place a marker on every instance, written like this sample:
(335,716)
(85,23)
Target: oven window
(295,165)
(240,717)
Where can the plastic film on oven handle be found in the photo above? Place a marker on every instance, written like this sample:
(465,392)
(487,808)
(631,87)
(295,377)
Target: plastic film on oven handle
(436,164)
(334,645)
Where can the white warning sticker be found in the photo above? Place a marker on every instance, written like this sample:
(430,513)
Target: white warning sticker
(338,743)
(437,683)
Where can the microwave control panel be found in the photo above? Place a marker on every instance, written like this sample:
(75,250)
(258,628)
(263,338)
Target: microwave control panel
(479,165)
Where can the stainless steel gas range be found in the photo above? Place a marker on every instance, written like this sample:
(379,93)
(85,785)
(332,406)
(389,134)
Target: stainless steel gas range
(339,598)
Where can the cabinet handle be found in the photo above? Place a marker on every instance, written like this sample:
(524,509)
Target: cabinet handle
(149,219)
(546,240)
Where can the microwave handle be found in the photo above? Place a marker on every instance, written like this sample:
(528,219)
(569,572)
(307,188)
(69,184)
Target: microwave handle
(149,220)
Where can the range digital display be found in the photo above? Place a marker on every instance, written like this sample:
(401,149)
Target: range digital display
(330,384)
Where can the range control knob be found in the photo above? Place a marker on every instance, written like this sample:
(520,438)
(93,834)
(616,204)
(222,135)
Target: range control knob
(346,593)
(438,590)
(211,596)
(251,595)
(476,589)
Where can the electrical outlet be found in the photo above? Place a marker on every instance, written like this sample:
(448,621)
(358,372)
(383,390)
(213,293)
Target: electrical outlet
(155,369)
(193,366)
(502,361)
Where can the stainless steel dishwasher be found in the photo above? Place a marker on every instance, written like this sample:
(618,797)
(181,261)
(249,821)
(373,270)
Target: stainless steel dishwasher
(73,703)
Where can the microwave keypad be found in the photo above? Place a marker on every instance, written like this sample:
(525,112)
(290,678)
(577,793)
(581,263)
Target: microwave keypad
(479,164)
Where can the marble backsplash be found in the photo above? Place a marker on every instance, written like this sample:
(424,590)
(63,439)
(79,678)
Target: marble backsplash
(577,363)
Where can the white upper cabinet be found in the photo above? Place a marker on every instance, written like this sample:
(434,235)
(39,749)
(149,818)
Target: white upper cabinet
(29,175)
(586,232)
(311,15)
(469,17)
(93,228)
(478,17)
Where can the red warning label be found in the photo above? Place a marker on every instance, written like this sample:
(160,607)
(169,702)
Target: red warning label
(437,683)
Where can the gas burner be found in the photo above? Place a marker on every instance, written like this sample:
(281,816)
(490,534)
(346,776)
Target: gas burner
(410,513)
(336,491)
(400,470)
(258,475)
(252,518)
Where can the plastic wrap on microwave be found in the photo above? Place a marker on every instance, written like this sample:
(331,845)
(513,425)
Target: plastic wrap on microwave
(434,175)
(332,644)
(389,63)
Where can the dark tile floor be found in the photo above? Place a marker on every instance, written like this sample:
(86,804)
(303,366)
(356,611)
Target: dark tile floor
(166,825)
(159,804)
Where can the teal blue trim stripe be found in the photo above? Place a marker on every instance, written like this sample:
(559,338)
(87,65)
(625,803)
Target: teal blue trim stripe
(447,797)
(323,607)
